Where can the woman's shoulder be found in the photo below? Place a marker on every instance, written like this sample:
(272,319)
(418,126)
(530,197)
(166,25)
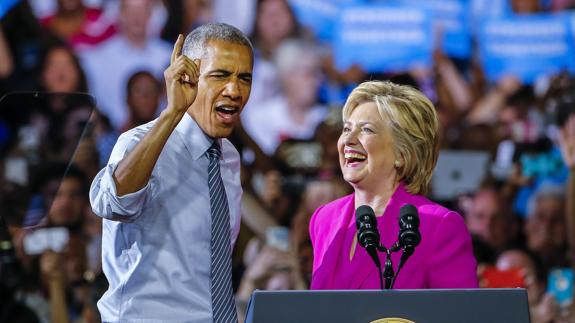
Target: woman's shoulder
(329,211)
(429,208)
(438,218)
(424,205)
(327,218)
(338,203)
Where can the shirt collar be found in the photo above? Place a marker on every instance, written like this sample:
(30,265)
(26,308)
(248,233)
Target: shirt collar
(196,141)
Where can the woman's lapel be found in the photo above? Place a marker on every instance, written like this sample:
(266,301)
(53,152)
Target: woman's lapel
(324,276)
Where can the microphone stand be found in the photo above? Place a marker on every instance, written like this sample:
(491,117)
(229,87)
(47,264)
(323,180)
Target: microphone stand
(407,252)
(380,276)
(388,273)
(372,251)
(368,237)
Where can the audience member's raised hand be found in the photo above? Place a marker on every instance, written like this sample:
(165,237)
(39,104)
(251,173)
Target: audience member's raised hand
(51,266)
(567,142)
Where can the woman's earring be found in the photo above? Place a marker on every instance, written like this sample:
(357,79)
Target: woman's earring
(397,164)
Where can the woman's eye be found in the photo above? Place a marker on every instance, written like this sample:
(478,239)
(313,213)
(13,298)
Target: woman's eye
(346,129)
(367,130)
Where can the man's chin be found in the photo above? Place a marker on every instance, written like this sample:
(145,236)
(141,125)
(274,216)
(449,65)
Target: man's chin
(221,132)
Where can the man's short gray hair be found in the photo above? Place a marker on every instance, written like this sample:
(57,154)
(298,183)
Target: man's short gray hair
(196,41)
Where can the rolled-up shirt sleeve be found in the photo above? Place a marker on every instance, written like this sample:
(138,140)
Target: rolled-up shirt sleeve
(104,199)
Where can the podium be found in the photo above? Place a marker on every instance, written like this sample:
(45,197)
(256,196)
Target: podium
(390,306)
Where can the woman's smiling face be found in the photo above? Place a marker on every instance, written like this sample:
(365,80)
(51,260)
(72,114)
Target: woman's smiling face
(366,148)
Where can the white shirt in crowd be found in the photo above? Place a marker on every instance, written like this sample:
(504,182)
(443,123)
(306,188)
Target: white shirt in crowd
(271,123)
(109,66)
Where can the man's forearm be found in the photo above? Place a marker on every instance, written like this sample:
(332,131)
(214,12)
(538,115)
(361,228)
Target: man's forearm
(135,170)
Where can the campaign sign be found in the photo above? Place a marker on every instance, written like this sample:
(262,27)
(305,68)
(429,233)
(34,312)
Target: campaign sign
(527,46)
(451,19)
(570,15)
(383,38)
(6,6)
(317,15)
(482,10)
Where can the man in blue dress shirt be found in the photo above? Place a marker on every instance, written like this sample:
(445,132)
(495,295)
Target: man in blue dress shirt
(159,196)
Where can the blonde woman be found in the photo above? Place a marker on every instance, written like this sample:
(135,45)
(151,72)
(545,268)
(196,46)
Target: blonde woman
(387,152)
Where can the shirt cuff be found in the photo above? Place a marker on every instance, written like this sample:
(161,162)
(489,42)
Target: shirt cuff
(107,204)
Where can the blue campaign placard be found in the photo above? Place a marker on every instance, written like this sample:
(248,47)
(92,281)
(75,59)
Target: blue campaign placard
(526,46)
(319,15)
(481,10)
(6,6)
(452,22)
(383,37)
(570,15)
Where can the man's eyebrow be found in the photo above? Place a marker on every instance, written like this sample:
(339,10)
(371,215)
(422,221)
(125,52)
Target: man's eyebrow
(226,72)
(219,71)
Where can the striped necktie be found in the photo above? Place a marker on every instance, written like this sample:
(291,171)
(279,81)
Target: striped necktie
(223,304)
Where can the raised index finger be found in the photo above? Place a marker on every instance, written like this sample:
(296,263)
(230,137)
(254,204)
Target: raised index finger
(177,48)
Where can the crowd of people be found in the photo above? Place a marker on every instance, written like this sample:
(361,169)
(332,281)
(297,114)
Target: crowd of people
(521,216)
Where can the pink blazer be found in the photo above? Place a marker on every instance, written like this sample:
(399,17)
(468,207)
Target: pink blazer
(443,259)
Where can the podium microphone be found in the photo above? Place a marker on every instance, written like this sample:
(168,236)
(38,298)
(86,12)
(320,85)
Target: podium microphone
(367,234)
(409,235)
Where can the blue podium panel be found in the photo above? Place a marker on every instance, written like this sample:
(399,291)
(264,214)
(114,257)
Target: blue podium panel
(390,306)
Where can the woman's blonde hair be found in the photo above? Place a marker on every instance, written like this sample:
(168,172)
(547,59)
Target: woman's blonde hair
(414,126)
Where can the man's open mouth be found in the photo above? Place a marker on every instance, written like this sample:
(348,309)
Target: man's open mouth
(226,112)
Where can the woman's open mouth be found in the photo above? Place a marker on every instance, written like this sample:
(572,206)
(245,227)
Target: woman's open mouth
(354,158)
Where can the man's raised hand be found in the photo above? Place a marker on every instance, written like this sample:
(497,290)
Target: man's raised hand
(181,79)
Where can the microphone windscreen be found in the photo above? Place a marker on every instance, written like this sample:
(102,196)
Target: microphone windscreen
(364,210)
(408,214)
(409,235)
(407,209)
(367,233)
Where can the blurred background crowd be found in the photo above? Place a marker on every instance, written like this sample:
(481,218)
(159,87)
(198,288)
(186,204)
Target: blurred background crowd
(507,161)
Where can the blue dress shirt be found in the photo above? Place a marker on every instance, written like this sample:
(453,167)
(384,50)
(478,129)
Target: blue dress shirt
(156,242)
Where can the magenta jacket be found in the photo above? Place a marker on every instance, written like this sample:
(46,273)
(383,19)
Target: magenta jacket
(443,259)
